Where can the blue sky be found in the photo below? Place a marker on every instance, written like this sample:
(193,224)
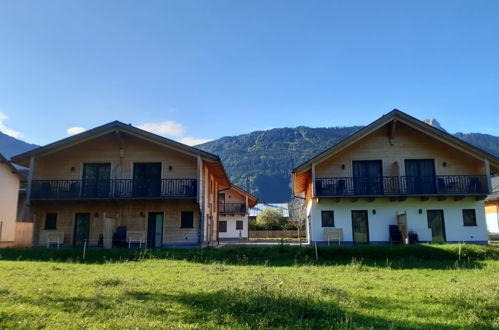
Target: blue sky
(205,69)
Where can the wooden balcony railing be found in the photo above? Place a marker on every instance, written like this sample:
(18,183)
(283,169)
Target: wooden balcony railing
(113,189)
(231,208)
(402,186)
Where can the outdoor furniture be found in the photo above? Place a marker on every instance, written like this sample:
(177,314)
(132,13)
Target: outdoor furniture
(413,237)
(395,234)
(136,237)
(333,235)
(56,237)
(119,237)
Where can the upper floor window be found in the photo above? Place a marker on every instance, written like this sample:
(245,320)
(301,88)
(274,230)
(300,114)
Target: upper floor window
(50,221)
(420,176)
(96,180)
(147,180)
(469,217)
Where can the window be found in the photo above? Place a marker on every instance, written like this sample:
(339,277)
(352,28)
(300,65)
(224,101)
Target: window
(50,221)
(223,226)
(327,218)
(239,225)
(187,220)
(469,217)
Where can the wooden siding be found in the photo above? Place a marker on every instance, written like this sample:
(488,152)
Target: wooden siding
(407,143)
(67,164)
(123,214)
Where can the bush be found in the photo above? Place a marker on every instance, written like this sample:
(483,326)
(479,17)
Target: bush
(270,219)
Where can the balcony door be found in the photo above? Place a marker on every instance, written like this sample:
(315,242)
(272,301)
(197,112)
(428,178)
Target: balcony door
(437,225)
(221,203)
(368,177)
(96,180)
(147,179)
(360,227)
(155,229)
(420,176)
(81,230)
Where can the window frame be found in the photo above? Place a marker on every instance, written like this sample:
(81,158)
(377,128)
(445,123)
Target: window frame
(182,224)
(474,218)
(332,218)
(240,222)
(45,227)
(220,226)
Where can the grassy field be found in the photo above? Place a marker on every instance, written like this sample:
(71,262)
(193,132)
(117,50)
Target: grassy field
(437,287)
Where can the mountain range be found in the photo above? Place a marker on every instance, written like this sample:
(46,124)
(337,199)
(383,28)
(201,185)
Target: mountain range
(261,161)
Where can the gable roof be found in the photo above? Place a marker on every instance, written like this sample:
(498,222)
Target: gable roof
(4,160)
(252,198)
(105,129)
(397,115)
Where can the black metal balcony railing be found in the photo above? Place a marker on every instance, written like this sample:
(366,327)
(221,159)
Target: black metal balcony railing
(231,208)
(403,185)
(115,189)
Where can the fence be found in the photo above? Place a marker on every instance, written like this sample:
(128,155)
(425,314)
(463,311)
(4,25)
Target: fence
(275,234)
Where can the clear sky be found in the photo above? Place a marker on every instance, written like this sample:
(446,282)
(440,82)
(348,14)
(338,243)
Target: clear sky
(206,69)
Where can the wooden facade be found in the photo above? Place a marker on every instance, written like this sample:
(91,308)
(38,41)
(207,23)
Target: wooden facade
(182,195)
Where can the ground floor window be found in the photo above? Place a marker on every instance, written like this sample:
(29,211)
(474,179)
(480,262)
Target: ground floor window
(223,226)
(187,220)
(50,221)
(327,218)
(239,225)
(469,217)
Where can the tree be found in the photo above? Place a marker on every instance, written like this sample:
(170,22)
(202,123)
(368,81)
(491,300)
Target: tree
(270,218)
(298,214)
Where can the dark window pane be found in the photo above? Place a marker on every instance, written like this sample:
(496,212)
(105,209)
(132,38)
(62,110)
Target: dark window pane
(223,226)
(327,218)
(469,217)
(187,220)
(239,225)
(51,221)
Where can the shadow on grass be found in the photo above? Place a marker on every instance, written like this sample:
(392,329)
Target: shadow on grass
(271,309)
(396,257)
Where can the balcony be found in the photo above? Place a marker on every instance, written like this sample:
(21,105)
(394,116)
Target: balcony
(113,189)
(231,208)
(443,185)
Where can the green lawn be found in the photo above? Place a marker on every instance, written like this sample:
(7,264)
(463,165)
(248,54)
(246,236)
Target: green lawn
(435,287)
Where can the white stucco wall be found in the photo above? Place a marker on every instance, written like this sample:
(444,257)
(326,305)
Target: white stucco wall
(231,227)
(9,192)
(386,214)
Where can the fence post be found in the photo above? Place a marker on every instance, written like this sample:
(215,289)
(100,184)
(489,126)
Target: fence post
(84,249)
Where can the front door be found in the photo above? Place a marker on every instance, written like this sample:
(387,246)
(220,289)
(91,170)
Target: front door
(420,176)
(82,229)
(437,225)
(96,180)
(368,177)
(155,230)
(360,227)
(147,179)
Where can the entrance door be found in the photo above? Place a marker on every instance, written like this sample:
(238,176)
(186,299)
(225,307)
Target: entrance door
(96,180)
(368,177)
(420,176)
(147,179)
(360,227)
(155,229)
(437,225)
(82,229)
